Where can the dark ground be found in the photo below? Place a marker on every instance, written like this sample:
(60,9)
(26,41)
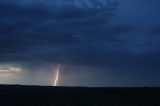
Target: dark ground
(75,96)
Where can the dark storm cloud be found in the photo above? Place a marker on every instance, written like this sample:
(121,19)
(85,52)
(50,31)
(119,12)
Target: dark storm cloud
(89,36)
(155,31)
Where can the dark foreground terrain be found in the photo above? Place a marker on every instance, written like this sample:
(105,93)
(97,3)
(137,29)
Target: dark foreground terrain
(65,96)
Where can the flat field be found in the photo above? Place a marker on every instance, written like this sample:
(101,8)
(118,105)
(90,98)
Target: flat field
(17,95)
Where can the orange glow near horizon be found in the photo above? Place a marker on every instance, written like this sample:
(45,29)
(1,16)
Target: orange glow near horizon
(9,70)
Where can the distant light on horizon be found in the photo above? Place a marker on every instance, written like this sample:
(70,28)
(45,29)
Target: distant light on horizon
(9,70)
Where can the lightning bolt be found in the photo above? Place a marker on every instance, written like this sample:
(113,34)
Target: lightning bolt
(57,76)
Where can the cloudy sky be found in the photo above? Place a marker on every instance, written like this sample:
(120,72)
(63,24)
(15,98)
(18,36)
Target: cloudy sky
(99,42)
